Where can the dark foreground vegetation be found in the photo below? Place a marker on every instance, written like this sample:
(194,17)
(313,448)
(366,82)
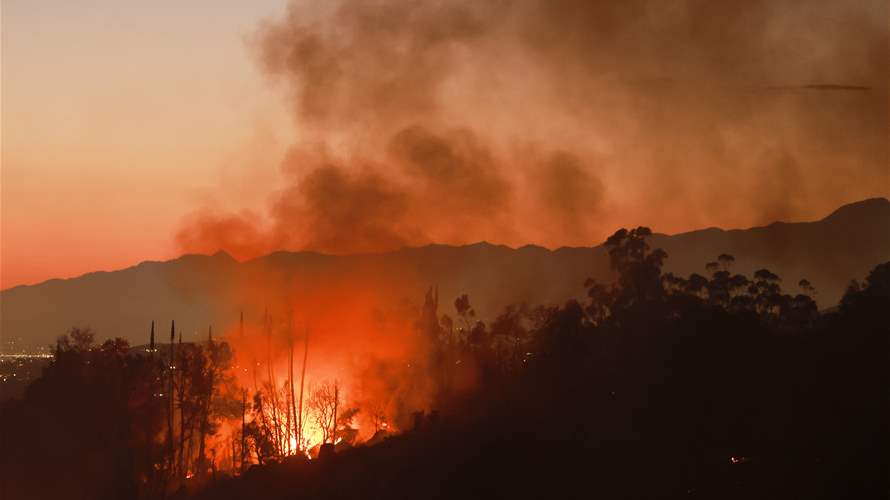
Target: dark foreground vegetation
(710,386)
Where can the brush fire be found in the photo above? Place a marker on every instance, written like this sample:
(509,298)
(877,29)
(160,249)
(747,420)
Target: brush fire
(298,378)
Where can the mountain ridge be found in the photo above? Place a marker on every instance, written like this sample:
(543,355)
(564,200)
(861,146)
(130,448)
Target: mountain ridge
(882,203)
(197,289)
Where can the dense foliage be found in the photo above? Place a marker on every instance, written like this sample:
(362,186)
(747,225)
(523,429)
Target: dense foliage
(715,385)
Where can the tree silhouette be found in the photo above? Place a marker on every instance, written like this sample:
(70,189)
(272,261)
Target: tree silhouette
(660,385)
(638,268)
(323,403)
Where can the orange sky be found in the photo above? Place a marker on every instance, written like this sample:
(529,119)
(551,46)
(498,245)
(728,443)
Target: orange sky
(117,119)
(120,120)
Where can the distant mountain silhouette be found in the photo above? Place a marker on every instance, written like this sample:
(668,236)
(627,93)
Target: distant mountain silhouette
(199,290)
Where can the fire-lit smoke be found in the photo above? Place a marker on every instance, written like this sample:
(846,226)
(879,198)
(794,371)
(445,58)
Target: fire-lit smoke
(555,122)
(351,333)
(532,121)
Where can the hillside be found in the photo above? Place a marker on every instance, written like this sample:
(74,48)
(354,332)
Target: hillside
(201,290)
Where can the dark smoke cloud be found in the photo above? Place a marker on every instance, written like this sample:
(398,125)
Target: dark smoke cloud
(348,62)
(567,194)
(457,182)
(332,208)
(557,121)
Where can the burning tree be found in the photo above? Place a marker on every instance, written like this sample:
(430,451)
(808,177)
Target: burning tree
(323,403)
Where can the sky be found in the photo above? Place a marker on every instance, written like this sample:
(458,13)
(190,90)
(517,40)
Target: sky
(117,118)
(142,130)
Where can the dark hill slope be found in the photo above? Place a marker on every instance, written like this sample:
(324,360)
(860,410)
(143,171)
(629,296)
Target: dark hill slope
(198,290)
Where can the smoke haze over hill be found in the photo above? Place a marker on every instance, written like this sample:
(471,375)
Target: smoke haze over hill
(555,122)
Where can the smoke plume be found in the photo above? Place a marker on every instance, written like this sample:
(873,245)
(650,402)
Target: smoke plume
(551,122)
(554,122)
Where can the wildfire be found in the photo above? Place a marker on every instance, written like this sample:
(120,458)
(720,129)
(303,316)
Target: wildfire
(332,363)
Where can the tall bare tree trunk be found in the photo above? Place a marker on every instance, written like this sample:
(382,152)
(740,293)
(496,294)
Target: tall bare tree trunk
(203,427)
(181,461)
(302,382)
(191,442)
(293,403)
(243,409)
(287,406)
(273,388)
(243,424)
(170,455)
(336,400)
(265,425)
